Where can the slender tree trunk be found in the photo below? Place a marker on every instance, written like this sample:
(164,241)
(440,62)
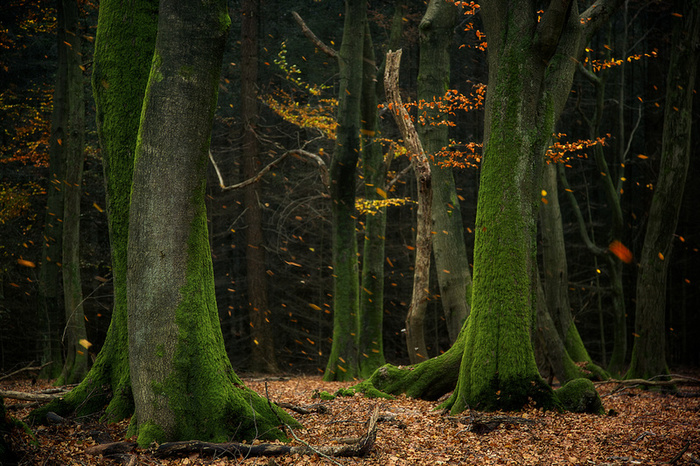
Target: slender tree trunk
(415,335)
(371,346)
(556,278)
(649,351)
(183,384)
(343,361)
(123,54)
(262,346)
(50,279)
(76,363)
(450,253)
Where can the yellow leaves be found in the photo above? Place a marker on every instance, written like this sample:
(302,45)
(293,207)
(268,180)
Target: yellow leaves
(557,151)
(96,206)
(84,343)
(372,207)
(314,307)
(381,192)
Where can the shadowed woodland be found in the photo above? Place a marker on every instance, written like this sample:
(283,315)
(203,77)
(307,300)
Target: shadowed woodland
(213,217)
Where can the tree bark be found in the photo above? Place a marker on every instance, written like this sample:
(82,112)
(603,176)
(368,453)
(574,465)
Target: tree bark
(415,336)
(371,317)
(123,54)
(183,384)
(450,253)
(531,67)
(76,362)
(50,278)
(649,350)
(343,361)
(262,343)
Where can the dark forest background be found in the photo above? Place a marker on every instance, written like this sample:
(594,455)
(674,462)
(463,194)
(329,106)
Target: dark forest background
(296,209)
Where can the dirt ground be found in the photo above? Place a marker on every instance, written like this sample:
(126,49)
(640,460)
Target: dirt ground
(641,427)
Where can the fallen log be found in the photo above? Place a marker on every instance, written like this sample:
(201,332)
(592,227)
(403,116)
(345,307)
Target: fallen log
(312,408)
(676,380)
(111,449)
(25,396)
(484,424)
(235,449)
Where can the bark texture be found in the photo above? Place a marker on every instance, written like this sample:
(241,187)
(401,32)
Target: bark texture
(648,353)
(183,384)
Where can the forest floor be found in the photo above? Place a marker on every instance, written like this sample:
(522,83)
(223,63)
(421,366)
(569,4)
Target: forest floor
(641,427)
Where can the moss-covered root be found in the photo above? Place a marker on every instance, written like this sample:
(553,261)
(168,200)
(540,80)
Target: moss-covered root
(579,396)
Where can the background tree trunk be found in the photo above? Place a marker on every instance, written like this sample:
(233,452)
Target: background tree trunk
(342,363)
(76,362)
(449,250)
(371,347)
(50,279)
(649,350)
(262,343)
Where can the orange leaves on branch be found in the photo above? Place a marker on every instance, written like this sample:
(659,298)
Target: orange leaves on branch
(598,65)
(557,151)
(621,251)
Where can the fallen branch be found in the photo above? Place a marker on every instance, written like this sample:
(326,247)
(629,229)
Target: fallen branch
(313,408)
(234,449)
(111,449)
(676,380)
(25,396)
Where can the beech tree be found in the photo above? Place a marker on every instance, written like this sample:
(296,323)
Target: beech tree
(178,383)
(342,363)
(649,350)
(531,60)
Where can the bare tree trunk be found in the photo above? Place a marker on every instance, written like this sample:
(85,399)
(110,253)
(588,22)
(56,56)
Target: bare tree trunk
(262,343)
(449,251)
(648,353)
(415,336)
(76,363)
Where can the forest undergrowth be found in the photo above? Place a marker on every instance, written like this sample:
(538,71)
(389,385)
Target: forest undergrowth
(640,427)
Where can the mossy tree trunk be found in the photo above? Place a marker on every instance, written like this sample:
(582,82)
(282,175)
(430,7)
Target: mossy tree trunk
(123,53)
(183,384)
(343,361)
(649,350)
(371,317)
(76,362)
(262,343)
(449,251)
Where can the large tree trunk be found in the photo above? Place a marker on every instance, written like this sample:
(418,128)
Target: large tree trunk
(371,317)
(342,363)
(450,253)
(50,279)
(649,351)
(531,66)
(262,343)
(76,362)
(123,54)
(183,384)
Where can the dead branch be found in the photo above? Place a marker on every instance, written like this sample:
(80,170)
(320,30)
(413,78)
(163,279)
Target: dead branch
(323,169)
(676,380)
(111,449)
(27,368)
(312,408)
(313,38)
(233,449)
(42,397)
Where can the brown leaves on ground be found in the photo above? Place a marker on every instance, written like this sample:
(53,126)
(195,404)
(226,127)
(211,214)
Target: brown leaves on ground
(643,427)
